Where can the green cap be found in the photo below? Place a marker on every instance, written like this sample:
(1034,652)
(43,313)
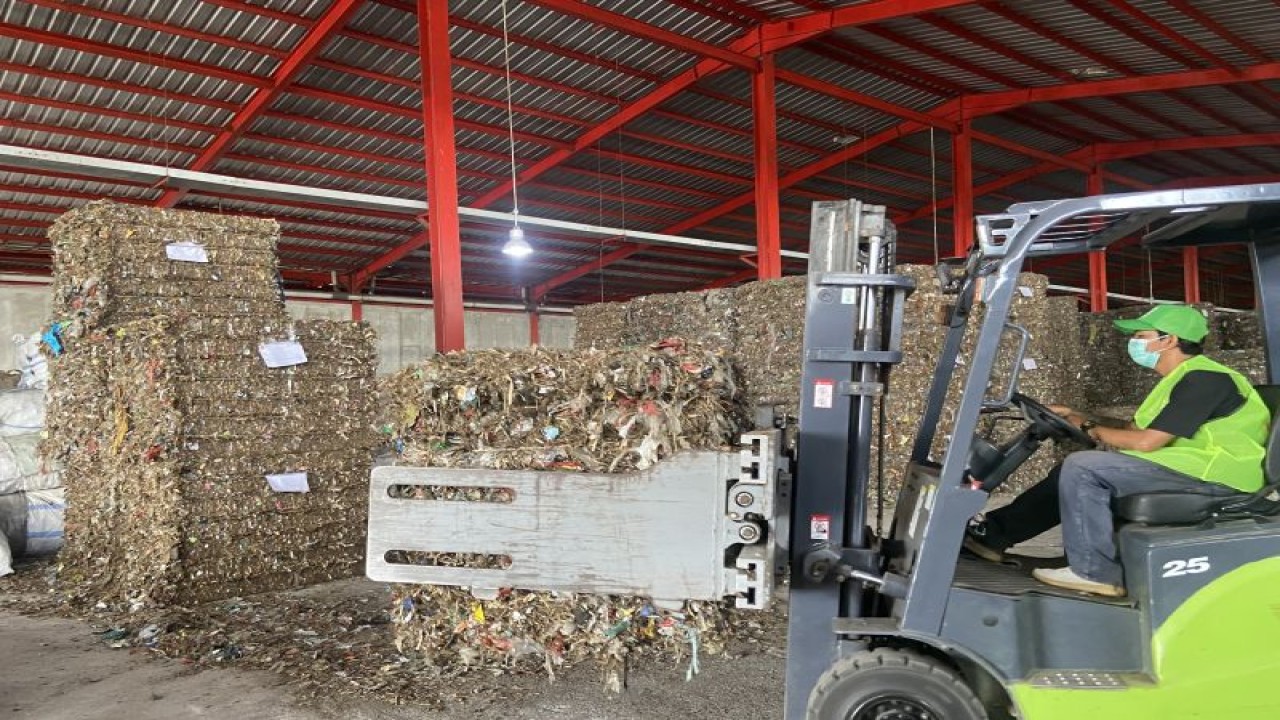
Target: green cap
(1184,321)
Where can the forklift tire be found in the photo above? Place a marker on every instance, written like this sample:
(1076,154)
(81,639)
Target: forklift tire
(890,683)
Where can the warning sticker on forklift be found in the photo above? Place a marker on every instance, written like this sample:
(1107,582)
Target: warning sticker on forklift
(819,527)
(824,393)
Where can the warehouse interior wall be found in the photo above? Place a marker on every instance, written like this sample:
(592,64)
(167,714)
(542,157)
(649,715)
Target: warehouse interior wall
(405,331)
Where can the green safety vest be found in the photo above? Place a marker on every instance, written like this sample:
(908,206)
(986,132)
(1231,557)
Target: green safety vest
(1228,450)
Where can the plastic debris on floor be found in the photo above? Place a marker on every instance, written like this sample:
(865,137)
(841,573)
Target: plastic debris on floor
(569,411)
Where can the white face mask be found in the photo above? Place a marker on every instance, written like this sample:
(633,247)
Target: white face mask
(1140,354)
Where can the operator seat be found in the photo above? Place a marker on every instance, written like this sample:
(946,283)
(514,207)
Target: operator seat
(1189,507)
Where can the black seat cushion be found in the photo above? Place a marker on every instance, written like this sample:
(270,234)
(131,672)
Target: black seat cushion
(1174,508)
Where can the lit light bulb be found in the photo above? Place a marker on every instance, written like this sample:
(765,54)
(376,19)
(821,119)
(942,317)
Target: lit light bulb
(516,246)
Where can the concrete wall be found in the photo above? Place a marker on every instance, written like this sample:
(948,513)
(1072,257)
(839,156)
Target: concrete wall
(23,310)
(405,331)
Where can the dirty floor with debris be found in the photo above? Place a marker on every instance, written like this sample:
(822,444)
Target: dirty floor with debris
(59,668)
(67,669)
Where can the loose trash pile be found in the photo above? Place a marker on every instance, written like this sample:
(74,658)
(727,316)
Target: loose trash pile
(212,446)
(589,411)
(544,409)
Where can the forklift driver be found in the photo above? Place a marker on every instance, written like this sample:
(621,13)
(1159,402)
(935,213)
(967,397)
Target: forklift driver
(1202,429)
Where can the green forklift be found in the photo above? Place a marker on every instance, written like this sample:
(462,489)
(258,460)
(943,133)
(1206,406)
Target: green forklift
(906,627)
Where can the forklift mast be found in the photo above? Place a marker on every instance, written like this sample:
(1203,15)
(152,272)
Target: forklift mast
(853,332)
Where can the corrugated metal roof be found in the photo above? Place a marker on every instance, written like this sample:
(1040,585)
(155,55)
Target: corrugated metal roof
(138,80)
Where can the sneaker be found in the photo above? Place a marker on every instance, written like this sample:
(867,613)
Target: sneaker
(975,542)
(1067,579)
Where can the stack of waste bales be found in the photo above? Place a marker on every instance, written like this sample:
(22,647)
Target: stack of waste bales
(212,446)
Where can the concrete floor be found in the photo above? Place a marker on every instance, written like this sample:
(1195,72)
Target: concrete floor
(56,669)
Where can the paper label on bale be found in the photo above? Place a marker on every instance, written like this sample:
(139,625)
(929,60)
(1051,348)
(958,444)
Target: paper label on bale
(285,353)
(289,482)
(1029,364)
(186,252)
(824,393)
(1026,291)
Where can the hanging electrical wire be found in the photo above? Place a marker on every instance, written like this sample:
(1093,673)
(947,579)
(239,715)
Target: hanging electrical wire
(600,219)
(516,245)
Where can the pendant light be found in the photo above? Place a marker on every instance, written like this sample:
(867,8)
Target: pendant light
(516,246)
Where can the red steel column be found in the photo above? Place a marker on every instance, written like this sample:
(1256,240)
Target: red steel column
(1191,274)
(962,190)
(768,215)
(535,327)
(442,174)
(1098,259)
(357,311)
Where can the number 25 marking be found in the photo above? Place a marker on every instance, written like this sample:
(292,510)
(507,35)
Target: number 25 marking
(1190,566)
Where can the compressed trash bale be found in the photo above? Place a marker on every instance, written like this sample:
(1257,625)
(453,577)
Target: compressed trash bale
(1251,362)
(602,326)
(769,340)
(166,464)
(111,266)
(1111,377)
(705,318)
(1237,330)
(555,410)
(770,318)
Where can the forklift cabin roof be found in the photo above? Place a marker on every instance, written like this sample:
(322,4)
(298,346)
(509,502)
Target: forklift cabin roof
(1206,216)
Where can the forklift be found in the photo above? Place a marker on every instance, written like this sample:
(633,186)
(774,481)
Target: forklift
(906,627)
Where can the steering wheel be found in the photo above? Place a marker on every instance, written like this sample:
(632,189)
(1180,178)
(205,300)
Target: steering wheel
(1050,422)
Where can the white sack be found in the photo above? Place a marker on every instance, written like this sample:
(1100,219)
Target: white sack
(21,469)
(6,557)
(33,522)
(45,512)
(21,412)
(32,364)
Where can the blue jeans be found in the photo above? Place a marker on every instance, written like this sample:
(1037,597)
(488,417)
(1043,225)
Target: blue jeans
(1078,495)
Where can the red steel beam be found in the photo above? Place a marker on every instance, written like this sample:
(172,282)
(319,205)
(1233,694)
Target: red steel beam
(1191,274)
(41,37)
(1097,259)
(318,36)
(997,102)
(770,36)
(768,214)
(444,228)
(1055,72)
(962,190)
(652,33)
(1115,151)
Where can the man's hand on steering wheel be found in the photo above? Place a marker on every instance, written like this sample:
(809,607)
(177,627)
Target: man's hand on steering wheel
(1054,420)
